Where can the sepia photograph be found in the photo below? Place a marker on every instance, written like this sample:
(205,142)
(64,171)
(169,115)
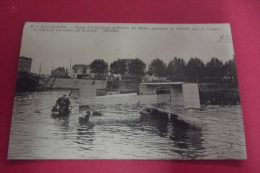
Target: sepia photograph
(127,91)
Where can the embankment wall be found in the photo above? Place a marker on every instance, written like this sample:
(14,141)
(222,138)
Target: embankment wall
(59,83)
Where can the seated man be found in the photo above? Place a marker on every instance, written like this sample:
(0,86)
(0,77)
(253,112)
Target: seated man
(63,103)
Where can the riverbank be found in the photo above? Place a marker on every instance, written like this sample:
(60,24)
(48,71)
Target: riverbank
(210,93)
(219,93)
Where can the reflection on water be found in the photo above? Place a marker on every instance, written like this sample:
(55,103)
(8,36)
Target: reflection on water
(122,133)
(188,139)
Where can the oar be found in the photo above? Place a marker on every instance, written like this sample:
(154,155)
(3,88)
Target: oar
(72,88)
(74,100)
(38,111)
(71,93)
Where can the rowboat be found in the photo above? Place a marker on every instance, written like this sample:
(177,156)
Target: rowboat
(56,111)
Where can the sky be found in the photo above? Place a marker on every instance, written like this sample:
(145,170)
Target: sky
(53,49)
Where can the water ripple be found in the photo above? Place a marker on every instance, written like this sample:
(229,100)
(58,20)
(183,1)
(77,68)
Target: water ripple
(214,132)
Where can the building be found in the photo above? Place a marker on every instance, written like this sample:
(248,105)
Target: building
(60,72)
(81,71)
(25,64)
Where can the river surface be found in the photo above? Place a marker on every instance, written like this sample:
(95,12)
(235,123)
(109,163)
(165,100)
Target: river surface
(214,132)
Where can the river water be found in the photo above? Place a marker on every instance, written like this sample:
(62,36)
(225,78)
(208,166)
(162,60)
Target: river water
(214,132)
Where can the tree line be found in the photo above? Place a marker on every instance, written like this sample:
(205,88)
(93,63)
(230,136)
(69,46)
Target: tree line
(195,70)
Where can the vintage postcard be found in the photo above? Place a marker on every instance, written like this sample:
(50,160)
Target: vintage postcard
(127,91)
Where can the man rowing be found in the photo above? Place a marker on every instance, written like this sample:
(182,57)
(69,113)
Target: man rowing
(63,103)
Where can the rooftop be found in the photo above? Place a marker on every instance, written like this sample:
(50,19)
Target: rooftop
(80,65)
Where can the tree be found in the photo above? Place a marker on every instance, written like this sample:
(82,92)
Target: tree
(195,69)
(118,67)
(137,68)
(176,69)
(157,68)
(98,66)
(229,69)
(214,68)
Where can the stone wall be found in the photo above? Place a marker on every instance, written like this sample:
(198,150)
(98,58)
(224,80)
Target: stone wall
(59,83)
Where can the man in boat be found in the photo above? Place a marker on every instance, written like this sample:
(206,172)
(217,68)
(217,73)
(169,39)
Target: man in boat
(63,103)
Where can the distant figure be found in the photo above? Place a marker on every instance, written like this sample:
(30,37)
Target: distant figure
(63,103)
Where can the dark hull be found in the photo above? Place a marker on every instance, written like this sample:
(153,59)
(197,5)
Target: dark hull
(63,114)
(56,112)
